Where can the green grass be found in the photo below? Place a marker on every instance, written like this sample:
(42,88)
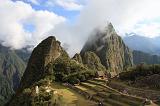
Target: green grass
(115,102)
(94,88)
(104,94)
(89,91)
(124,99)
(70,97)
(101,84)
(97,98)
(99,80)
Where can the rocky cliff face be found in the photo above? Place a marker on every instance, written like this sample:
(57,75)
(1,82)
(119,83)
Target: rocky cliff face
(77,57)
(44,54)
(110,48)
(92,61)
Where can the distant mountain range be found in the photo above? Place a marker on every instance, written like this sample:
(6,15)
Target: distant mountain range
(144,44)
(141,57)
(12,67)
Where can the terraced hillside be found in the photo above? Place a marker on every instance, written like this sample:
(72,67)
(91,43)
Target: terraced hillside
(145,93)
(97,91)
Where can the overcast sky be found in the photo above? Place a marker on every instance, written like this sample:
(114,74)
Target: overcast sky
(27,22)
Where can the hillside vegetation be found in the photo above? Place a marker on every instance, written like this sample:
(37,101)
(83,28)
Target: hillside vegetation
(142,57)
(147,76)
(12,68)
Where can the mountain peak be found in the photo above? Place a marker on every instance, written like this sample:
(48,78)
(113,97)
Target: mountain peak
(50,38)
(110,48)
(44,54)
(109,27)
(101,34)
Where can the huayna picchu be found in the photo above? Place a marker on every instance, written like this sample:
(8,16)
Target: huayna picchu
(110,48)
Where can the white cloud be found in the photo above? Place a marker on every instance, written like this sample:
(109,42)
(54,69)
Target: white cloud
(124,15)
(149,30)
(13,17)
(69,5)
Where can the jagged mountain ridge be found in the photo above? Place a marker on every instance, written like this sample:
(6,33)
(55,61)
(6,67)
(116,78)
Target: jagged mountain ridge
(92,61)
(77,57)
(110,48)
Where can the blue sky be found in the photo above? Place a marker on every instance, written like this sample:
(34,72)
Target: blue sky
(29,27)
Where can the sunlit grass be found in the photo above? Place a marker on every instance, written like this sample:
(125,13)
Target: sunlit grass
(70,97)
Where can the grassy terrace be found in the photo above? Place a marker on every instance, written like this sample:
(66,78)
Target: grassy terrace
(70,97)
(102,84)
(151,94)
(125,85)
(99,92)
(92,92)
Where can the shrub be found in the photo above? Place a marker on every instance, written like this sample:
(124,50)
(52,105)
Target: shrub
(140,71)
(82,78)
(73,80)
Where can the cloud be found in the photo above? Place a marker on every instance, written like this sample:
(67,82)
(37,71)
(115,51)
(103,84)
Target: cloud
(69,5)
(15,15)
(125,15)
(149,29)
